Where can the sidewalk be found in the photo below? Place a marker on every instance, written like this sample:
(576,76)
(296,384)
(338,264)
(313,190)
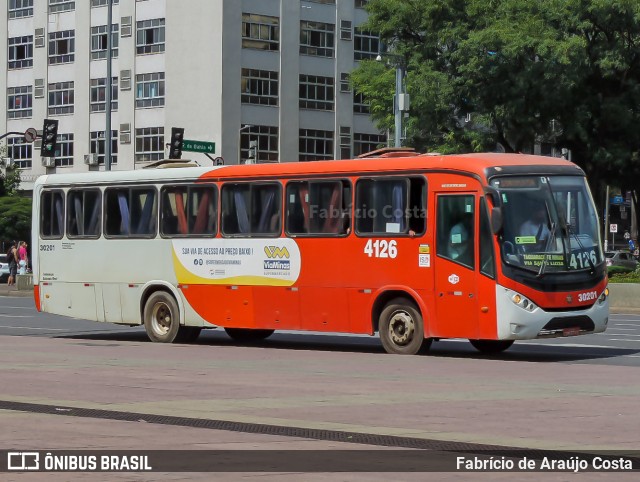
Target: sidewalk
(13,291)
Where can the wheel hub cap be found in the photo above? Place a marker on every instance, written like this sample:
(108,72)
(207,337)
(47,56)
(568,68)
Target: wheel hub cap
(401,328)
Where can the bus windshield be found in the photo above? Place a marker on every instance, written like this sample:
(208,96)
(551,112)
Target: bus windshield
(549,224)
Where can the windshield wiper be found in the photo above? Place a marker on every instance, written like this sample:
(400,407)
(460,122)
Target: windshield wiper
(552,235)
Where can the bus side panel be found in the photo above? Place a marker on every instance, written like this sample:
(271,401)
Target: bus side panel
(277,307)
(230,306)
(76,300)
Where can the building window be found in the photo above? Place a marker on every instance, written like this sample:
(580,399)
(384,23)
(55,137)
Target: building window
(317,38)
(21,52)
(98,102)
(61,98)
(316,145)
(20,8)
(260,32)
(99,42)
(366,45)
(19,102)
(97,146)
(360,105)
(21,152)
(316,92)
(363,143)
(150,36)
(149,144)
(57,6)
(330,2)
(62,46)
(64,152)
(259,87)
(360,3)
(150,90)
(267,139)
(102,3)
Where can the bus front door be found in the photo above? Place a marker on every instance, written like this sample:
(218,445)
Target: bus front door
(454,267)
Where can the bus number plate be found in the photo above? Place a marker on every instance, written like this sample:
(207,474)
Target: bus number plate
(575,331)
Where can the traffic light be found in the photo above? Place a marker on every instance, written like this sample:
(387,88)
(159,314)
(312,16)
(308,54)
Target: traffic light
(49,138)
(177,138)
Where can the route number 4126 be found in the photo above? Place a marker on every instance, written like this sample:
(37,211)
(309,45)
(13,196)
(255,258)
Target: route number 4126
(381,248)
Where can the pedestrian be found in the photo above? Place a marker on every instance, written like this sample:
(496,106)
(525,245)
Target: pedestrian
(23,258)
(12,259)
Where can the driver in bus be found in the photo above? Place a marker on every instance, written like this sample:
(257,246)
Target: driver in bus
(537,225)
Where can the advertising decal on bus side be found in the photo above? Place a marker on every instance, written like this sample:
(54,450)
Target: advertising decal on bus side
(274,262)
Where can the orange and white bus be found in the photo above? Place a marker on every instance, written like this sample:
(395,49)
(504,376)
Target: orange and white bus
(487,247)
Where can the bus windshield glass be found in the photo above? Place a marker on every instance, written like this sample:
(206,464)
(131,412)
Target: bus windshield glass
(549,224)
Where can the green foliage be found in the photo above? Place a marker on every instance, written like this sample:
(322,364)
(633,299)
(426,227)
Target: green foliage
(623,277)
(15,221)
(565,72)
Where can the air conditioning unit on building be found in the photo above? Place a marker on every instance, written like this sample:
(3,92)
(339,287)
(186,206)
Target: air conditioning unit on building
(91,159)
(49,161)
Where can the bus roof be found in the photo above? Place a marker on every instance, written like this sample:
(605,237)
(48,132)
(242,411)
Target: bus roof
(478,164)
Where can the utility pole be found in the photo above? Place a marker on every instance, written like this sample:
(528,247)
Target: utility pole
(107,134)
(606,221)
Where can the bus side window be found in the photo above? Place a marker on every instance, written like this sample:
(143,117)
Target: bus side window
(318,207)
(391,206)
(52,214)
(265,209)
(143,210)
(83,214)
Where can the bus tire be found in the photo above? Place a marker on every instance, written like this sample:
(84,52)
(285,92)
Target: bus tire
(162,318)
(401,328)
(248,334)
(491,347)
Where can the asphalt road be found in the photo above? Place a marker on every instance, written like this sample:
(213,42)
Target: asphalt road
(619,345)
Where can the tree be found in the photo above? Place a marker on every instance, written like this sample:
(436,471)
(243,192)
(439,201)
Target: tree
(565,72)
(15,222)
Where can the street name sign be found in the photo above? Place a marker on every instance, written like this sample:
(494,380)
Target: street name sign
(199,146)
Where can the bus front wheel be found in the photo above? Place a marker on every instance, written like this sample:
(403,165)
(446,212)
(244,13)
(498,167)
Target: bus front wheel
(401,328)
(491,346)
(162,318)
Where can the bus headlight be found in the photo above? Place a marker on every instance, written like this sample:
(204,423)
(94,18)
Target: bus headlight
(604,295)
(523,302)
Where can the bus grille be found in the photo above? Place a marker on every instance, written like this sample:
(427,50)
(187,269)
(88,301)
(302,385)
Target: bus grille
(556,326)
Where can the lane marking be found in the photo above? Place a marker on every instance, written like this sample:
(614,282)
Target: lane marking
(15,316)
(637,325)
(7,327)
(622,339)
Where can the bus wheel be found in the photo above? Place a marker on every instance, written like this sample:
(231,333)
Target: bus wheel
(162,318)
(401,328)
(491,346)
(248,334)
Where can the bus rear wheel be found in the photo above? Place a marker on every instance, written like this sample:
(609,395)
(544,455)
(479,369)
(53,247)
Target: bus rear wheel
(248,334)
(401,328)
(491,346)
(162,318)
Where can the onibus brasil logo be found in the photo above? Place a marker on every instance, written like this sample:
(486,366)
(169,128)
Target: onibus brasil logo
(278,258)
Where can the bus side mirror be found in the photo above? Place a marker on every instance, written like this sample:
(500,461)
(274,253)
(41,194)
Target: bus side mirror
(496,220)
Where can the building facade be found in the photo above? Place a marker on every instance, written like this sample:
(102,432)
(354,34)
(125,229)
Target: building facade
(274,72)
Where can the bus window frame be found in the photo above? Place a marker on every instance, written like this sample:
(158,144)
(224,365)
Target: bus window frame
(68,216)
(190,185)
(130,187)
(64,214)
(250,184)
(342,181)
(407,178)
